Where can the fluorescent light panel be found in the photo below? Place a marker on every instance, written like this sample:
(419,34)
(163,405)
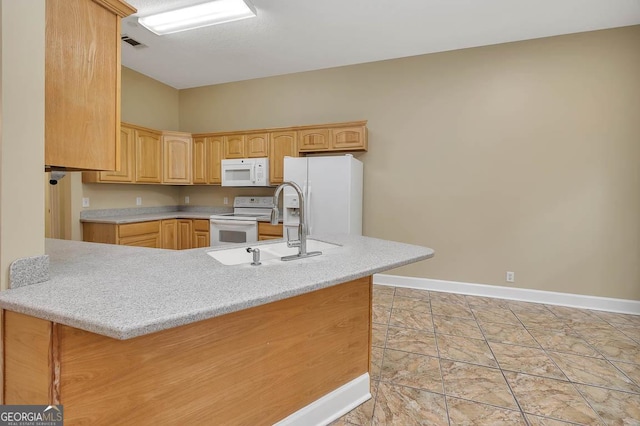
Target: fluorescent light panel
(200,15)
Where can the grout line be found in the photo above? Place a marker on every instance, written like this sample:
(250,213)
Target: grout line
(444,387)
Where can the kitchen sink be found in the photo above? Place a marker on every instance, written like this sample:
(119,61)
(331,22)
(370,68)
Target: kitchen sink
(273,251)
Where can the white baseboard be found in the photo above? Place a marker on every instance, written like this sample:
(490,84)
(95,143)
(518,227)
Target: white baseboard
(332,406)
(522,294)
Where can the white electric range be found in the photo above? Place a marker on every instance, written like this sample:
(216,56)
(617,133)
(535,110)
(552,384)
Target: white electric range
(241,226)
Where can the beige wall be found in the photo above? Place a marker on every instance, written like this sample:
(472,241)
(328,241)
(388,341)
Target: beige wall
(518,157)
(22,133)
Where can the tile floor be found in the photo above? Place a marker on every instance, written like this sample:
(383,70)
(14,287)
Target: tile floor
(448,359)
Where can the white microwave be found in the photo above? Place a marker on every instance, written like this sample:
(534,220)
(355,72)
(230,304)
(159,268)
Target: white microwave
(245,172)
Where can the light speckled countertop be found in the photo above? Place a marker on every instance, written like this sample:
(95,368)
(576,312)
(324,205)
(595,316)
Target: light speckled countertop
(124,292)
(147,217)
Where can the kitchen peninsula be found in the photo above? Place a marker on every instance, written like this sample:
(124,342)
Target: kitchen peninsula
(147,336)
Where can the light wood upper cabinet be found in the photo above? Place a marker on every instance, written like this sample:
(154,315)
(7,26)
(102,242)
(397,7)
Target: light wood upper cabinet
(349,138)
(215,155)
(148,155)
(176,158)
(199,162)
(283,144)
(313,140)
(257,145)
(82,83)
(126,172)
(234,146)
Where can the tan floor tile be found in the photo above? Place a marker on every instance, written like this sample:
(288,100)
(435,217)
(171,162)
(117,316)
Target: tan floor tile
(450,310)
(527,307)
(568,313)
(545,421)
(412,292)
(495,315)
(342,422)
(526,360)
(486,302)
(551,398)
(403,406)
(563,341)
(631,370)
(383,300)
(363,413)
(616,318)
(411,319)
(476,383)
(376,362)
(411,303)
(449,298)
(469,413)
(632,331)
(616,347)
(464,349)
(508,333)
(593,371)
(408,369)
(615,408)
(411,340)
(380,314)
(378,288)
(378,335)
(595,328)
(539,319)
(457,326)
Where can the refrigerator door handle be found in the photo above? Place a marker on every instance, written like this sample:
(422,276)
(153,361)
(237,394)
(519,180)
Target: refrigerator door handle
(308,209)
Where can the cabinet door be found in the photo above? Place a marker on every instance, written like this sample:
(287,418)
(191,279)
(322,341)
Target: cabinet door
(169,234)
(125,172)
(199,162)
(313,140)
(283,144)
(185,232)
(148,157)
(201,233)
(257,145)
(176,158)
(82,83)
(349,138)
(234,146)
(215,154)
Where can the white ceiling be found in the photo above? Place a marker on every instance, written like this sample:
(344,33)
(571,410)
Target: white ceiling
(291,36)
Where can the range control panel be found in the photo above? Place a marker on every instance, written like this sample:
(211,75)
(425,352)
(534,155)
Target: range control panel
(256,202)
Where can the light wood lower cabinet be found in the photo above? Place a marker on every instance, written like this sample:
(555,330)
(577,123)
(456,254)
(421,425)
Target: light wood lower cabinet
(267,231)
(201,236)
(251,367)
(185,234)
(175,234)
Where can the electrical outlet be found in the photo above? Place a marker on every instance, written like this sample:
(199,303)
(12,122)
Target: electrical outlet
(85,202)
(225,200)
(138,201)
(511,277)
(186,199)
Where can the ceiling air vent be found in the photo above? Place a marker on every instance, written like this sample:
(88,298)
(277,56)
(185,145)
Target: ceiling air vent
(132,42)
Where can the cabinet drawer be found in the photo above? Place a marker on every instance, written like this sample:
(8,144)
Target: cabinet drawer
(267,229)
(201,225)
(149,240)
(139,228)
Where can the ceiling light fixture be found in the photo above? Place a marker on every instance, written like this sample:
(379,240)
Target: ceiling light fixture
(200,15)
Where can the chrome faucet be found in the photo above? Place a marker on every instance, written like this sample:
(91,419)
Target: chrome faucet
(301,242)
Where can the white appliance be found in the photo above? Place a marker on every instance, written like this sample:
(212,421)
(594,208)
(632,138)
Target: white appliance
(332,188)
(245,172)
(241,226)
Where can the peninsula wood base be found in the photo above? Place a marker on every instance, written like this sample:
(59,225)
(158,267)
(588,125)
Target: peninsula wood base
(255,366)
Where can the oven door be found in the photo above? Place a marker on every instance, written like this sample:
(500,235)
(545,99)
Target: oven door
(224,231)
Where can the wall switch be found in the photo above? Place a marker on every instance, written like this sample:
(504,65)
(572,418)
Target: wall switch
(186,199)
(138,201)
(511,276)
(85,202)
(225,200)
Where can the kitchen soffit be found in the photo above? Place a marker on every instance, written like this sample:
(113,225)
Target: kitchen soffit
(291,36)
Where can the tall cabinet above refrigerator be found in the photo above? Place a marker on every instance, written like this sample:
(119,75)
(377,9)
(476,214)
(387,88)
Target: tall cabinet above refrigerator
(332,188)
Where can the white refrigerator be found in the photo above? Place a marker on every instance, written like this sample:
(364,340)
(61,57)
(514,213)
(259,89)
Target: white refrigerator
(332,188)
